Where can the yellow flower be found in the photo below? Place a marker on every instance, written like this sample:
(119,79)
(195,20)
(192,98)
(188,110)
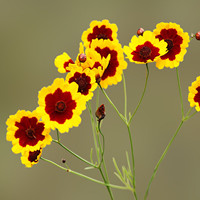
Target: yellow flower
(145,48)
(26,132)
(194,94)
(85,80)
(177,42)
(99,30)
(62,62)
(113,72)
(30,158)
(61,105)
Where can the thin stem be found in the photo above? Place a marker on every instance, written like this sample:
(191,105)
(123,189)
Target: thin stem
(106,183)
(105,178)
(161,158)
(113,105)
(93,128)
(189,116)
(74,154)
(58,136)
(96,147)
(102,151)
(133,160)
(97,98)
(180,93)
(125,97)
(84,176)
(145,86)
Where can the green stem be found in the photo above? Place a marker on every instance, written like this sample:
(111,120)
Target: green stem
(105,178)
(106,183)
(133,160)
(161,158)
(96,147)
(97,98)
(58,136)
(145,86)
(180,93)
(74,154)
(84,176)
(93,128)
(125,98)
(113,105)
(102,151)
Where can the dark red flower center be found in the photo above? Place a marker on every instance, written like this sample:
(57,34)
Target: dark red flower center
(83,82)
(110,71)
(60,106)
(169,44)
(100,33)
(197,95)
(33,156)
(145,52)
(29,131)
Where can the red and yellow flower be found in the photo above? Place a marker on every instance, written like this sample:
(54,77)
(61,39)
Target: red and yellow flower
(177,42)
(30,158)
(62,62)
(113,72)
(145,48)
(26,132)
(85,79)
(194,94)
(99,30)
(61,105)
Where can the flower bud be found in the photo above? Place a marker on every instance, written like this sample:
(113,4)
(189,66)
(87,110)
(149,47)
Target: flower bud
(82,57)
(140,31)
(197,35)
(100,113)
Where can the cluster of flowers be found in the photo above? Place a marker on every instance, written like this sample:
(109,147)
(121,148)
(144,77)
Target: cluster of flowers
(100,62)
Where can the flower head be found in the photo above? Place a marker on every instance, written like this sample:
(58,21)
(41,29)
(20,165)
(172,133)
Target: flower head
(30,158)
(145,48)
(60,105)
(85,80)
(113,72)
(62,62)
(99,30)
(26,132)
(177,42)
(194,94)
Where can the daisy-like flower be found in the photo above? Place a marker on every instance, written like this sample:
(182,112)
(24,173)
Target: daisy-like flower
(60,105)
(194,94)
(177,42)
(85,79)
(26,132)
(113,72)
(30,158)
(145,48)
(62,62)
(99,30)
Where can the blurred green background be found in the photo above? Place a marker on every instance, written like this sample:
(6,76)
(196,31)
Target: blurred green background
(32,34)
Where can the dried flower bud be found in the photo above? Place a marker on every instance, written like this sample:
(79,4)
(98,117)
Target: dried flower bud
(98,79)
(63,161)
(140,31)
(100,113)
(197,35)
(82,57)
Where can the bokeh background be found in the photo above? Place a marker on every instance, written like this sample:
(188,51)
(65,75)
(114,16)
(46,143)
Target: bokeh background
(32,34)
